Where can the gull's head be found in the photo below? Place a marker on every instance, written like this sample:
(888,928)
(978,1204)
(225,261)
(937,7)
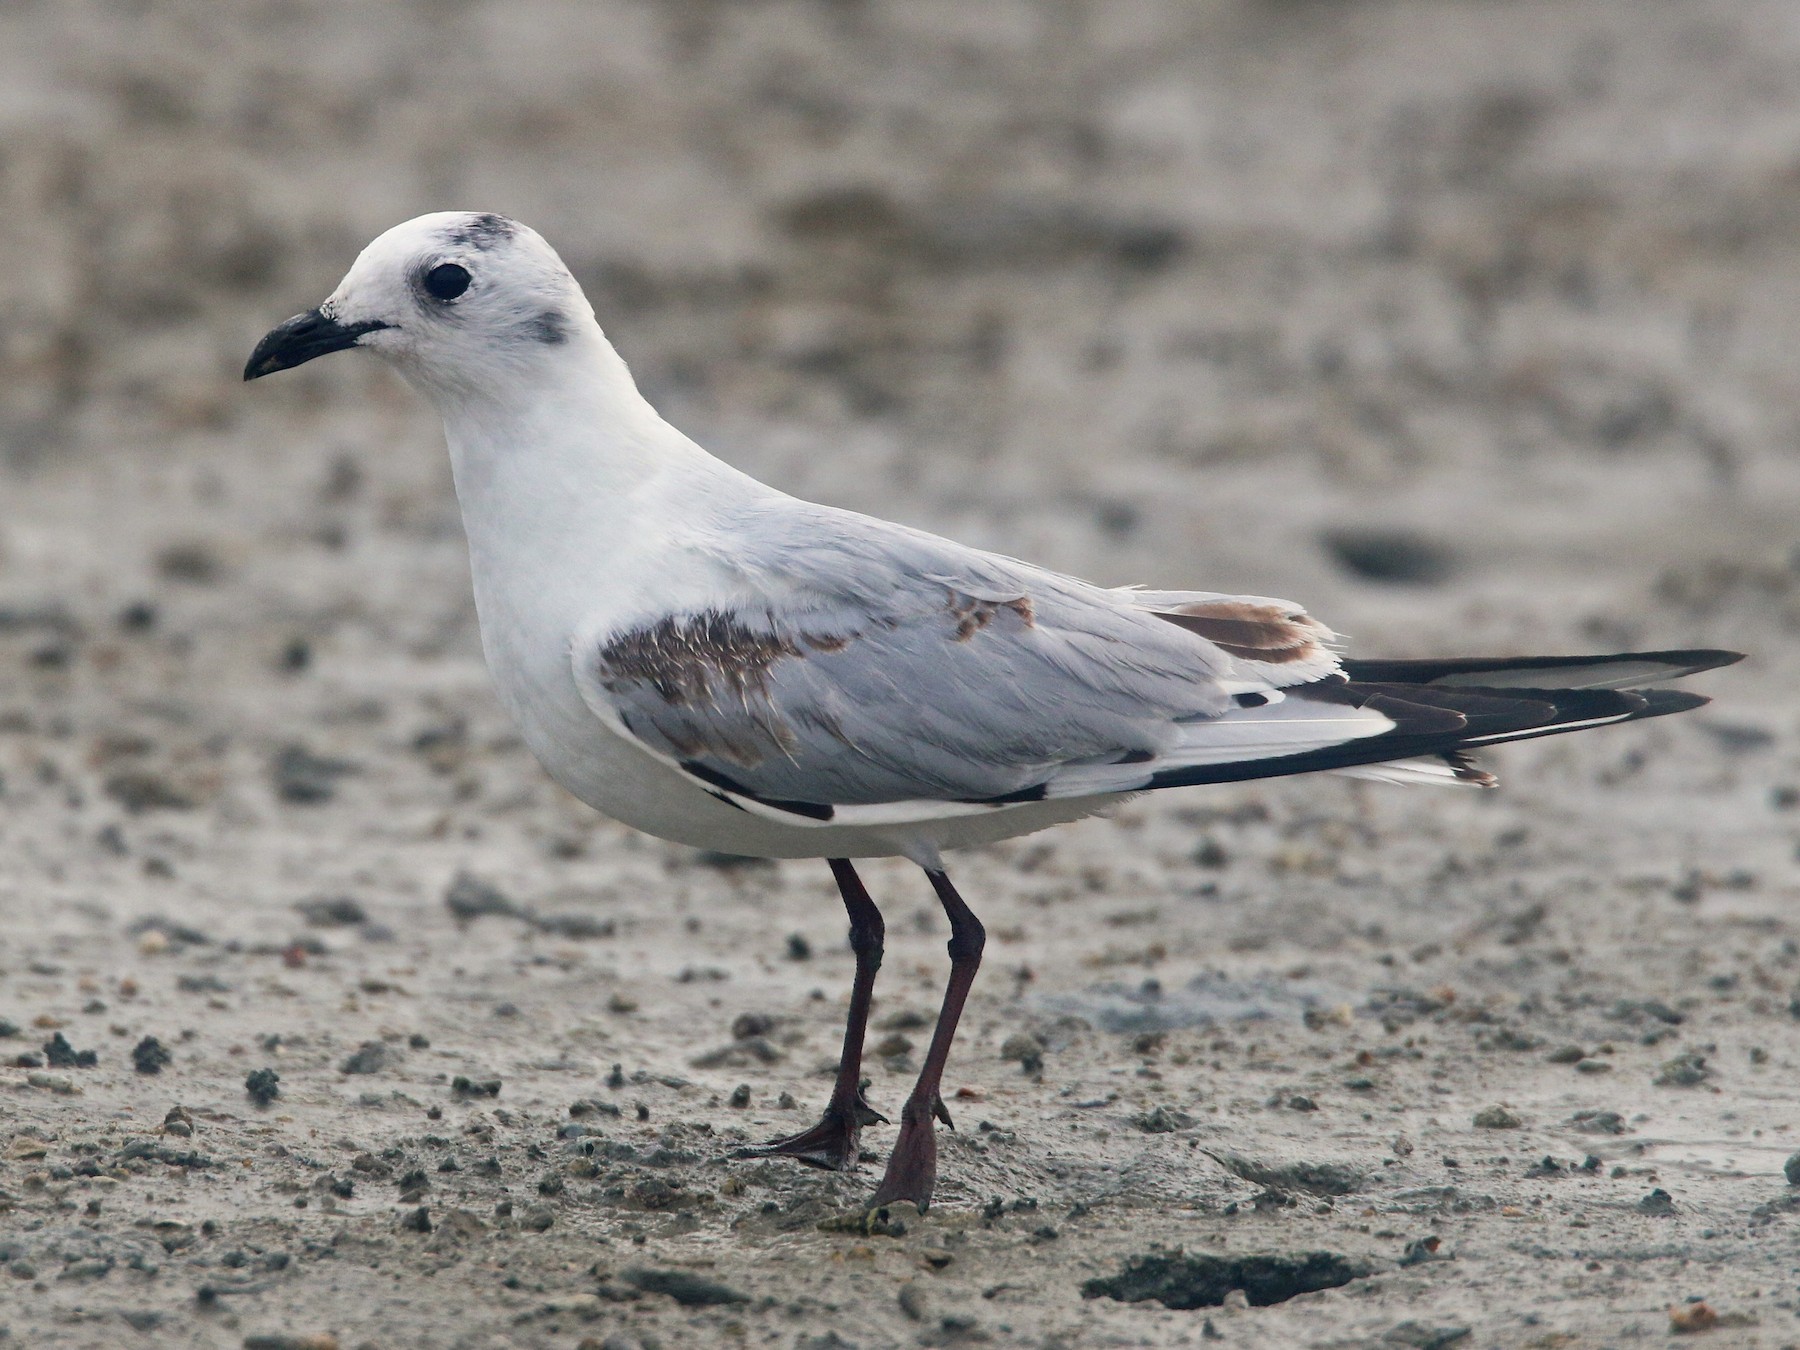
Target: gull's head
(457,301)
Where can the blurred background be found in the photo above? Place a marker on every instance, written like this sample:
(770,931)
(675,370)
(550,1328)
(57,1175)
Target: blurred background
(1432,315)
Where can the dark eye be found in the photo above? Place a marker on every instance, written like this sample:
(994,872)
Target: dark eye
(446,281)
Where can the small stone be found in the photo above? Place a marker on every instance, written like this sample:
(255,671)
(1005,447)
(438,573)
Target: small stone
(685,1287)
(1598,1122)
(59,1054)
(139,791)
(262,1085)
(746,1025)
(1791,1169)
(469,897)
(1659,1204)
(740,1096)
(369,1057)
(1210,853)
(1685,1070)
(798,948)
(417,1221)
(537,1218)
(305,779)
(1162,1120)
(464,1086)
(1566,1054)
(912,1300)
(337,911)
(150,1056)
(1498,1118)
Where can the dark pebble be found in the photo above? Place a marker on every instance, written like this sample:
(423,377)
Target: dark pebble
(798,948)
(469,897)
(61,1055)
(417,1221)
(150,1056)
(1791,1169)
(685,1287)
(464,1086)
(1394,556)
(740,1096)
(138,617)
(262,1085)
(1659,1203)
(749,1024)
(304,778)
(369,1057)
(336,911)
(137,791)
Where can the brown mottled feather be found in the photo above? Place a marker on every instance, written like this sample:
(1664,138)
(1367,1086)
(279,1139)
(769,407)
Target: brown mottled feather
(1250,632)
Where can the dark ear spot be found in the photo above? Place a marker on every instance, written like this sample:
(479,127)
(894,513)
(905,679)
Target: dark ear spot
(482,232)
(548,328)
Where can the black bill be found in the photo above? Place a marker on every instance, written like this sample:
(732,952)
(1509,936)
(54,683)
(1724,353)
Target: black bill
(303,337)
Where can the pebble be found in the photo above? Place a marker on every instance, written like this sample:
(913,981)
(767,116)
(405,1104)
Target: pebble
(61,1055)
(1791,1169)
(469,897)
(305,779)
(912,1300)
(263,1085)
(1162,1120)
(369,1057)
(150,1056)
(336,911)
(1685,1070)
(1498,1118)
(1659,1204)
(685,1287)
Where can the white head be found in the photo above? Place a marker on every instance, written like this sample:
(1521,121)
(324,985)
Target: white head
(461,302)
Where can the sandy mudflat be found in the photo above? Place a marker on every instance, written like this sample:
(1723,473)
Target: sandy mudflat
(1182,293)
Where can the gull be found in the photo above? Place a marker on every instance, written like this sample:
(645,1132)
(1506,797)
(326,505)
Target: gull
(710,660)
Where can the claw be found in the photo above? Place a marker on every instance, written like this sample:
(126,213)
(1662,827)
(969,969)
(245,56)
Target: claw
(832,1144)
(942,1112)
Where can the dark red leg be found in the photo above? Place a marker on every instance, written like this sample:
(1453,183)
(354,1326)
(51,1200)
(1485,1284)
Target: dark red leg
(912,1166)
(832,1142)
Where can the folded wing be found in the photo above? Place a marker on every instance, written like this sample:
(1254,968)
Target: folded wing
(901,678)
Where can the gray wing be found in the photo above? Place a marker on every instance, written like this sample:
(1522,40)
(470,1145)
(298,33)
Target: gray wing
(864,663)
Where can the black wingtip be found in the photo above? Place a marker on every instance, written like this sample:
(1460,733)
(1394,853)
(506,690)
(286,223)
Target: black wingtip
(1612,670)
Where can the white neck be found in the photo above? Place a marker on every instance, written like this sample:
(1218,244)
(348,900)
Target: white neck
(555,457)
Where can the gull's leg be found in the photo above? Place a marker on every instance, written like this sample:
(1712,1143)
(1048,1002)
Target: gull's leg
(832,1142)
(912,1166)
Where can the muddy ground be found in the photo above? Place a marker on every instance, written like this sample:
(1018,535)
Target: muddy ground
(1472,325)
